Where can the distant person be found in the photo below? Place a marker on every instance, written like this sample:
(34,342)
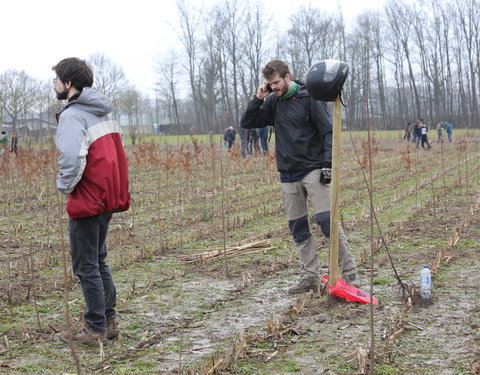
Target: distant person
(263,135)
(253,138)
(93,175)
(229,137)
(243,142)
(408,132)
(3,142)
(417,132)
(449,130)
(303,145)
(224,136)
(424,135)
(14,142)
(440,132)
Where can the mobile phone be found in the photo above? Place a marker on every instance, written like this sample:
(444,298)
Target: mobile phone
(268,87)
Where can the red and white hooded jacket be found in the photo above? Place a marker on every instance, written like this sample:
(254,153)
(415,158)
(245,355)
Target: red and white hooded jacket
(93,165)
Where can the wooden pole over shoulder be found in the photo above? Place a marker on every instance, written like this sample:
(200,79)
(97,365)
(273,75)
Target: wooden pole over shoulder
(335,191)
(324,82)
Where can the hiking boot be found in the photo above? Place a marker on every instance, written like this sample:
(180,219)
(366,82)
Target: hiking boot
(85,336)
(306,284)
(112,329)
(353,279)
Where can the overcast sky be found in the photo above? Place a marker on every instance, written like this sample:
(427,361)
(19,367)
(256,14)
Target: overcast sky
(36,34)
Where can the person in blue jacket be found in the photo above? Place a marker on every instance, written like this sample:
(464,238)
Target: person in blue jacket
(449,130)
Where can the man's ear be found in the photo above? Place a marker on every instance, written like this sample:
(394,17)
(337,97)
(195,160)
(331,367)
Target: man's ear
(288,77)
(68,85)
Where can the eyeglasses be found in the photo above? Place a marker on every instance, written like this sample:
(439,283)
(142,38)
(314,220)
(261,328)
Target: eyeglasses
(55,80)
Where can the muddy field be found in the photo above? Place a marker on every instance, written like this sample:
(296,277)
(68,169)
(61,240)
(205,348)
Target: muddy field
(184,308)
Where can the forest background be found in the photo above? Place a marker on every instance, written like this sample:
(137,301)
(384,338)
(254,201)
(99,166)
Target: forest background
(408,60)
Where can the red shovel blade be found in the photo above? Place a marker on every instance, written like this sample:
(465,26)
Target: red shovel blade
(348,292)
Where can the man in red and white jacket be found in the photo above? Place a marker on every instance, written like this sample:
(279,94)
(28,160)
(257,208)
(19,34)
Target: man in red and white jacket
(94,175)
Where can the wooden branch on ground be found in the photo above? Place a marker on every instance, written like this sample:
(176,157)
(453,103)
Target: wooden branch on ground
(217,253)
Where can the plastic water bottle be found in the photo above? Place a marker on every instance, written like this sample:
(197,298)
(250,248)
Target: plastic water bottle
(425,283)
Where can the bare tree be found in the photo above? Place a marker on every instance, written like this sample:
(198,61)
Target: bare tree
(166,85)
(354,84)
(47,105)
(235,25)
(318,35)
(109,77)
(19,94)
(400,16)
(130,103)
(216,92)
(255,46)
(190,21)
(468,23)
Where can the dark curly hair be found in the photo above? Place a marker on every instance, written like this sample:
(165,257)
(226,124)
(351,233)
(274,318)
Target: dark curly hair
(275,66)
(76,71)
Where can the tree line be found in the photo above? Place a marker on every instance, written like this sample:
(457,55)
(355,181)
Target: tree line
(409,60)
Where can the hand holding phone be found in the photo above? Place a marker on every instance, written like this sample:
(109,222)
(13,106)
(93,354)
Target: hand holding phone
(264,90)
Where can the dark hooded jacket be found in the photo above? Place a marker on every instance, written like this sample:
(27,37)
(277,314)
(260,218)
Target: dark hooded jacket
(302,142)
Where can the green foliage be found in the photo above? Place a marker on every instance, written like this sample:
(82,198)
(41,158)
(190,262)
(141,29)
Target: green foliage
(246,369)
(385,369)
(31,368)
(263,345)
(381,281)
(292,366)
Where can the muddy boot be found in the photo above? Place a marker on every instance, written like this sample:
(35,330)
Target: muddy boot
(85,336)
(306,284)
(353,279)
(112,329)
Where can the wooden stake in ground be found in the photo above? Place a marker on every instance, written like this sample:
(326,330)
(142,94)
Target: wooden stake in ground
(335,190)
(324,82)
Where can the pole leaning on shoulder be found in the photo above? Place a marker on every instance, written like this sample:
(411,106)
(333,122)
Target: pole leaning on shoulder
(324,82)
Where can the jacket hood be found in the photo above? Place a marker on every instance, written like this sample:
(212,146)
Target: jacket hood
(92,101)
(301,90)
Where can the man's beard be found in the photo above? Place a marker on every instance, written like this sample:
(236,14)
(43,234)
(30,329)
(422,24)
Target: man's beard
(283,90)
(62,95)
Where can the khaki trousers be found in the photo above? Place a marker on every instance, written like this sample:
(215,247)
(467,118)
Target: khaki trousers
(295,200)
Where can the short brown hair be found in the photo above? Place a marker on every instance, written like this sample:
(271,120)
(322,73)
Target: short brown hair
(275,66)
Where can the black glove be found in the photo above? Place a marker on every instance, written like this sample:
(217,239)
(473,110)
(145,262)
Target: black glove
(325,175)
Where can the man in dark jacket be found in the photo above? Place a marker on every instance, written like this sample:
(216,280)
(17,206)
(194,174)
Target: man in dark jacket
(303,144)
(417,132)
(94,175)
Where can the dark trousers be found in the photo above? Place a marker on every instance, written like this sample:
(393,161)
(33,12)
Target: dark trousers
(244,149)
(424,140)
(89,253)
(264,143)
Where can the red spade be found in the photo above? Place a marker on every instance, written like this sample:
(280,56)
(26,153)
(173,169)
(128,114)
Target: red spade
(348,292)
